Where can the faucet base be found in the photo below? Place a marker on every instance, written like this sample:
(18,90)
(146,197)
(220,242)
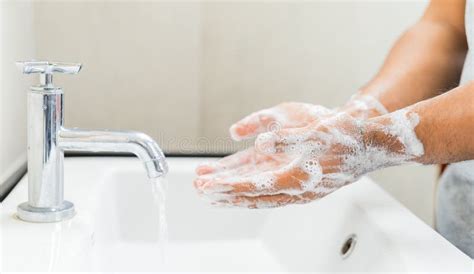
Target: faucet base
(29,213)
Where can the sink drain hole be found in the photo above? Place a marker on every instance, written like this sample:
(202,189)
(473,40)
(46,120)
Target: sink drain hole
(348,246)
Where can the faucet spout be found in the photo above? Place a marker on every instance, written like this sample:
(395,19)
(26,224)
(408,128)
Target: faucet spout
(140,144)
(48,139)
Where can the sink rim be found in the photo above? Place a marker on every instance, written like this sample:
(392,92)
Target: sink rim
(79,227)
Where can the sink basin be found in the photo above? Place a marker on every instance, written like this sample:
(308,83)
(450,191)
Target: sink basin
(116,228)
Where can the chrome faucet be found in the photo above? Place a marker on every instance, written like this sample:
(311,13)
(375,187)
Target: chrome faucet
(48,139)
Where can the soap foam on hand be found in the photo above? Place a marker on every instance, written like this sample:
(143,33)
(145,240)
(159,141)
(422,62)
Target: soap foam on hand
(284,115)
(339,146)
(294,114)
(325,156)
(364,106)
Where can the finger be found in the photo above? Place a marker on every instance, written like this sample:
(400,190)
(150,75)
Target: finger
(210,185)
(216,199)
(261,183)
(293,140)
(264,201)
(257,122)
(271,201)
(228,162)
(245,172)
(243,162)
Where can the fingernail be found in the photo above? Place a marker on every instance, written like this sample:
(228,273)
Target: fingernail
(233,131)
(198,183)
(206,168)
(211,188)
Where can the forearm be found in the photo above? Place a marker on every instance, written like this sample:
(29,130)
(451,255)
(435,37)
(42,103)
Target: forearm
(444,126)
(426,61)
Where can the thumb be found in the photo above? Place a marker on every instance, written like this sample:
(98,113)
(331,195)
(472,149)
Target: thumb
(255,123)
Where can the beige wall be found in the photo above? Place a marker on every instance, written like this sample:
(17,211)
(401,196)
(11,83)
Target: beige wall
(16,43)
(141,60)
(184,72)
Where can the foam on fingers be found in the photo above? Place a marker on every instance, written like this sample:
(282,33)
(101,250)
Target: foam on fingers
(207,167)
(255,123)
(285,115)
(300,164)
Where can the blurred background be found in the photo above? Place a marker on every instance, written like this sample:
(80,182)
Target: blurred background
(183,72)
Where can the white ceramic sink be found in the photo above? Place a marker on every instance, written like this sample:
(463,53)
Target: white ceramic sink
(116,229)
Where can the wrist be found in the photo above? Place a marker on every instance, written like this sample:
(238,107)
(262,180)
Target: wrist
(363,107)
(394,135)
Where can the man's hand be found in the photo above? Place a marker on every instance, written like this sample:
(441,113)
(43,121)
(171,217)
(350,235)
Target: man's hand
(285,115)
(298,165)
(293,115)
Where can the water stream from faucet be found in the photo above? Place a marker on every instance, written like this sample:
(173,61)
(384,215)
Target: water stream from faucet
(159,186)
